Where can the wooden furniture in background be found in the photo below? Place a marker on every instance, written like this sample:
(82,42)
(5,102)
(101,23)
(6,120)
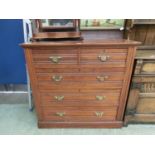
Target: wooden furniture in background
(141,102)
(80,83)
(142,30)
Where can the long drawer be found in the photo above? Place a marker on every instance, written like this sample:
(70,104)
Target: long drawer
(110,67)
(75,114)
(62,77)
(83,69)
(79,86)
(81,99)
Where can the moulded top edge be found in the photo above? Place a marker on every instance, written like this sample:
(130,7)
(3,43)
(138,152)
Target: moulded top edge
(82,43)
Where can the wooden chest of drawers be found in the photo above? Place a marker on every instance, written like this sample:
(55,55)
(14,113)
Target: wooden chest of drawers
(80,84)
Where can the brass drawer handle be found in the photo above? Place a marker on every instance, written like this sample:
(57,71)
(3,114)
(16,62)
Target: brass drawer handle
(55,59)
(59,98)
(103,57)
(57,78)
(61,114)
(102,78)
(99,114)
(100,98)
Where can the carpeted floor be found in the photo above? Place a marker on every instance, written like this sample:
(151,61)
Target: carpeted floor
(16,119)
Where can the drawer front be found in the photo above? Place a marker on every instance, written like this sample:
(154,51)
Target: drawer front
(80,99)
(55,56)
(103,56)
(79,86)
(59,78)
(111,67)
(98,69)
(76,114)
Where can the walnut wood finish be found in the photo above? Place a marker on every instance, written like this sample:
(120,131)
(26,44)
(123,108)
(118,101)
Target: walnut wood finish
(84,114)
(80,84)
(58,78)
(103,98)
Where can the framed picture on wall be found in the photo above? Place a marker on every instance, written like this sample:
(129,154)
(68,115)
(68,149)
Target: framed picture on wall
(99,24)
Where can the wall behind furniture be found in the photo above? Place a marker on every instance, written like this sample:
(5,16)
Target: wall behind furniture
(12,62)
(102,34)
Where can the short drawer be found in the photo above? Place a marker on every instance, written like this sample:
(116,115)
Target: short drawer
(81,99)
(55,56)
(102,56)
(75,114)
(81,77)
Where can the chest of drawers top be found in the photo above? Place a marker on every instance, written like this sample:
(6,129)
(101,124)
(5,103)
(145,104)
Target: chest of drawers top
(116,43)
